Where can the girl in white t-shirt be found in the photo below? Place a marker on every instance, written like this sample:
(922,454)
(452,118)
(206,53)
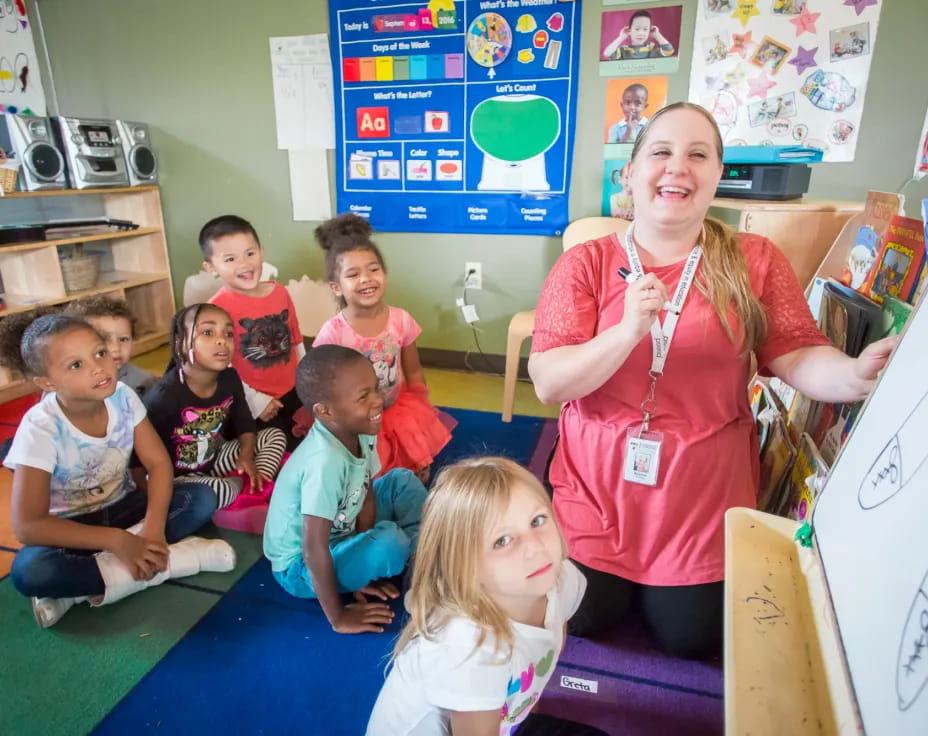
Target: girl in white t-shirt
(492,589)
(88,534)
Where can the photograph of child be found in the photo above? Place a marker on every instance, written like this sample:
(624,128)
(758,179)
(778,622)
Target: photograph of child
(617,193)
(788,7)
(770,54)
(640,34)
(850,41)
(629,101)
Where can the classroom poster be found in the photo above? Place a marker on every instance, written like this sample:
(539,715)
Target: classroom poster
(630,103)
(785,72)
(20,83)
(921,158)
(455,116)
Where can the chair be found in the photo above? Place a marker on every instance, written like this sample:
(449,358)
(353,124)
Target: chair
(523,323)
(314,304)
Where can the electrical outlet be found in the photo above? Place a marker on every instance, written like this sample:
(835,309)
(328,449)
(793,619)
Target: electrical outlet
(473,275)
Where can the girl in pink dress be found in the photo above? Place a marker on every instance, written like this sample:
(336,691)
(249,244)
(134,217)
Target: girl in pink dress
(413,431)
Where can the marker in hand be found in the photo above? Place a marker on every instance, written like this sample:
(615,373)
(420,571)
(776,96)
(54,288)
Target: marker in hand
(630,278)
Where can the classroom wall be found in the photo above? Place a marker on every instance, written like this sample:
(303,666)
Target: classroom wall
(199,73)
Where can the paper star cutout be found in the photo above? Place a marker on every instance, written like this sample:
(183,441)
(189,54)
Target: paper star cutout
(740,42)
(759,85)
(805,21)
(803,59)
(736,76)
(745,11)
(859,5)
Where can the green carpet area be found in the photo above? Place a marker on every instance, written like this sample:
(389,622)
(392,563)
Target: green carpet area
(64,680)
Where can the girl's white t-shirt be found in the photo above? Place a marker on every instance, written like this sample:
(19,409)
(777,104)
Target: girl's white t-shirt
(431,678)
(87,473)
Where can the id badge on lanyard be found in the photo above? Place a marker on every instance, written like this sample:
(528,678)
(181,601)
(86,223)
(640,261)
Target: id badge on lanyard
(643,445)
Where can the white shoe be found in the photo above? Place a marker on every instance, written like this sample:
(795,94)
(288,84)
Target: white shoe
(214,555)
(48,611)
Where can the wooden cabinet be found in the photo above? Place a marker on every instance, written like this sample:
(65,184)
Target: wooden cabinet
(803,229)
(133,263)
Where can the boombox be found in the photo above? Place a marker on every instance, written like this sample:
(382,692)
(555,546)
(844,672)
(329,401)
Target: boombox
(140,159)
(29,140)
(93,151)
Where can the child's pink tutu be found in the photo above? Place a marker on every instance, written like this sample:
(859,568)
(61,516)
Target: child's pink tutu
(248,512)
(413,431)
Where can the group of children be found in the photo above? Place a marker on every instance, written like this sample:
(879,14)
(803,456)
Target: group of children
(113,471)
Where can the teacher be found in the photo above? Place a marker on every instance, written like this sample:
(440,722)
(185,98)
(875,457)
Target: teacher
(647,341)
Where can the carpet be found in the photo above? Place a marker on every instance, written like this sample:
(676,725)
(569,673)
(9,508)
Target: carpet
(234,653)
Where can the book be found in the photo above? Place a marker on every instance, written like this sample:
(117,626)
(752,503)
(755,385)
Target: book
(923,278)
(805,481)
(899,263)
(878,211)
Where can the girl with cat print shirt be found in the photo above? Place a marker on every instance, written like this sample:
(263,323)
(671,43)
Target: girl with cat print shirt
(413,431)
(268,342)
(199,410)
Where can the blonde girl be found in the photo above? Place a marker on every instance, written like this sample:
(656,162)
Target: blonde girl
(491,591)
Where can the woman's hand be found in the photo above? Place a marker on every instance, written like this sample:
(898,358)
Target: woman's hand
(644,300)
(871,361)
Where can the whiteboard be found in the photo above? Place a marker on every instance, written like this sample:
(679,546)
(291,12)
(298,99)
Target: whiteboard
(871,529)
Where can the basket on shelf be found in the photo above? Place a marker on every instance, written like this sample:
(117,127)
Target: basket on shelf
(8,171)
(80,270)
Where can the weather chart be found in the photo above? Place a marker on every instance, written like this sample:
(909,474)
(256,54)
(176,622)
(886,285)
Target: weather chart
(455,116)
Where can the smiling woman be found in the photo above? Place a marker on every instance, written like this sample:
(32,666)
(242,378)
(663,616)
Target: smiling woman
(656,435)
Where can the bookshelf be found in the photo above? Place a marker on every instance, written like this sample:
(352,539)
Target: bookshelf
(134,263)
(803,229)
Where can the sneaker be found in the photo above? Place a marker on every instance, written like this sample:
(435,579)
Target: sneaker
(48,611)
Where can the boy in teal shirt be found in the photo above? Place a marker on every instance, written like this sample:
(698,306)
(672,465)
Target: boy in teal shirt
(330,529)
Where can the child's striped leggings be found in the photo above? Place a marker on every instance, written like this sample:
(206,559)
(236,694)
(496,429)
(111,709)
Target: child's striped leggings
(270,446)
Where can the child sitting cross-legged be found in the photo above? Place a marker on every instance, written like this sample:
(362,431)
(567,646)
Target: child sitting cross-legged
(199,410)
(330,528)
(89,534)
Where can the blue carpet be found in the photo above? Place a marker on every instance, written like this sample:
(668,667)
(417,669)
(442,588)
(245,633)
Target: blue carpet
(483,433)
(260,662)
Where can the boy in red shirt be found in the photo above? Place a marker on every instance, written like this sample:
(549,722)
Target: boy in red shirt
(268,342)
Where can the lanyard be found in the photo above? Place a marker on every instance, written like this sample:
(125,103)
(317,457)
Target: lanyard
(662,335)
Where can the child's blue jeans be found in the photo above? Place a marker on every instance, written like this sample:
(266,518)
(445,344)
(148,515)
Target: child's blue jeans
(56,572)
(381,552)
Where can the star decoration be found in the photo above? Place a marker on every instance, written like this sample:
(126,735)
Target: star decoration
(759,85)
(859,5)
(805,21)
(740,43)
(803,59)
(745,11)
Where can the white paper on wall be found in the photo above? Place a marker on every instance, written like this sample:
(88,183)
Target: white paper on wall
(20,82)
(785,72)
(309,184)
(302,73)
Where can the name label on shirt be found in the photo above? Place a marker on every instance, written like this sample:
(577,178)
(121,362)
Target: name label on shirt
(578,683)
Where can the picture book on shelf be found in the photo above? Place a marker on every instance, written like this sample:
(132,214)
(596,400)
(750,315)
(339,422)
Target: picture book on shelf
(805,480)
(899,263)
(878,211)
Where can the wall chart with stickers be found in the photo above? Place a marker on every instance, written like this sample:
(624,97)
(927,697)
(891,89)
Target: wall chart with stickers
(20,84)
(455,116)
(780,72)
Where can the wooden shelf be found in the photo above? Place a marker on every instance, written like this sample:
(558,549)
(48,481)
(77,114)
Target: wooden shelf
(107,282)
(80,192)
(136,263)
(19,247)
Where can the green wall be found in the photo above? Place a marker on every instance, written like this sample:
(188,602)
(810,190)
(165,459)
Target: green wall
(198,72)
